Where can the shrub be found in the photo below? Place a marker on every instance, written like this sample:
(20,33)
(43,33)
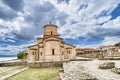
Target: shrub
(107,65)
(21,55)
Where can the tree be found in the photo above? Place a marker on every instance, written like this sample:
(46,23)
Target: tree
(21,55)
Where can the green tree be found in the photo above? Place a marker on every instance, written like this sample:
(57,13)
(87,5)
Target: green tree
(21,55)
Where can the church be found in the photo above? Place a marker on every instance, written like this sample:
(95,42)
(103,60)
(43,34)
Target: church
(51,47)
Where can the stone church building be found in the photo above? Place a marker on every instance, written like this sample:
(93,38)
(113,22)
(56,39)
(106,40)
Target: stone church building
(51,47)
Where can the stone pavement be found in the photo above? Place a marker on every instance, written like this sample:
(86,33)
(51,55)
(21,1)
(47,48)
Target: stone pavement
(82,70)
(12,74)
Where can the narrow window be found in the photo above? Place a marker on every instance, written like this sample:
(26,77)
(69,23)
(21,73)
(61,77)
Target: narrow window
(51,32)
(53,51)
(66,51)
(41,53)
(32,53)
(69,51)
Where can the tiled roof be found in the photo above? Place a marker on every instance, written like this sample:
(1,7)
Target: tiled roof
(79,49)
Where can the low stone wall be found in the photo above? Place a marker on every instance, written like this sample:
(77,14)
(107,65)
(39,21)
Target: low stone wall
(46,64)
(4,64)
(34,64)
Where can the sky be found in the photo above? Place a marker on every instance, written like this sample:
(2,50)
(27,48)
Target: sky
(83,23)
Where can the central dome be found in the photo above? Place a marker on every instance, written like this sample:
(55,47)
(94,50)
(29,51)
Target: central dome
(50,30)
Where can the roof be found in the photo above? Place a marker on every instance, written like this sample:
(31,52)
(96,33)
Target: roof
(80,49)
(69,44)
(51,25)
(52,36)
(32,45)
(40,38)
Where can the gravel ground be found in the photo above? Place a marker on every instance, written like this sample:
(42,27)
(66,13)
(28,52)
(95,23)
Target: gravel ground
(82,70)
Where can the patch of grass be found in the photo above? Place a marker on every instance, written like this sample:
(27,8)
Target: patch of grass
(81,68)
(38,74)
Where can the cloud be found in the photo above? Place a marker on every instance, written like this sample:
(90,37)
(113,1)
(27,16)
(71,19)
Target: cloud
(6,13)
(109,29)
(7,49)
(110,40)
(35,17)
(90,18)
(12,49)
(24,20)
(16,5)
(60,1)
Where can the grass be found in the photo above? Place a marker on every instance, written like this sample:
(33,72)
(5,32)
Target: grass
(38,74)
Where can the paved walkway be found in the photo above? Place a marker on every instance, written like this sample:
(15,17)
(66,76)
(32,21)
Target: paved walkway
(16,72)
(6,69)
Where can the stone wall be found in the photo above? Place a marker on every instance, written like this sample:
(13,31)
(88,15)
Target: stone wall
(34,64)
(45,64)
(99,55)
(4,64)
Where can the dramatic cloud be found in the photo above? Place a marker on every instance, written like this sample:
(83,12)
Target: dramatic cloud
(6,13)
(21,21)
(12,49)
(109,29)
(16,5)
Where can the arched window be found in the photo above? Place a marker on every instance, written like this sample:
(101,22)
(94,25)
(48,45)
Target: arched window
(53,52)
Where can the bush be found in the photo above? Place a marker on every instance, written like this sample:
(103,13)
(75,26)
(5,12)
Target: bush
(116,70)
(21,55)
(107,65)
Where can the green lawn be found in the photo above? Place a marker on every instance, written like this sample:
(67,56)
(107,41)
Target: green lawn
(38,74)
